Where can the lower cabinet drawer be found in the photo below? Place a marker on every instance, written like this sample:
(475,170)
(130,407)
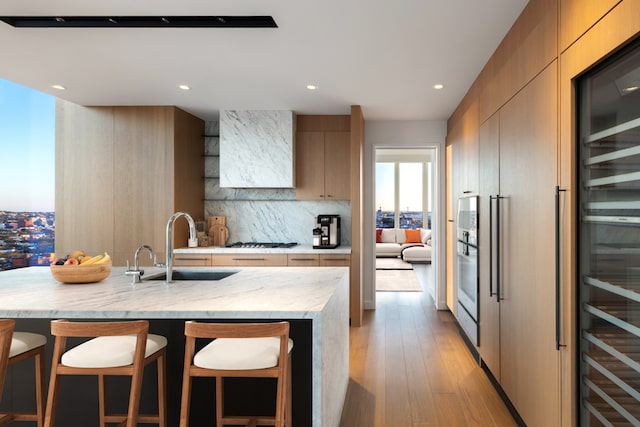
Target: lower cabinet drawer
(335,260)
(302,260)
(191,260)
(222,260)
(250,260)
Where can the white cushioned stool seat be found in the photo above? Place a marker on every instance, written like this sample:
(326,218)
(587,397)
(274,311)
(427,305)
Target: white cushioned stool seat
(25,341)
(112,348)
(110,351)
(240,353)
(17,347)
(239,350)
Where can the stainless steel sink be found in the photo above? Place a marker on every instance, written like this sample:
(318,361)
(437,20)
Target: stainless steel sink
(194,275)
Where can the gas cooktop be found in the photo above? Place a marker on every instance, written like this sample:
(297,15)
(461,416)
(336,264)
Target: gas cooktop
(261,245)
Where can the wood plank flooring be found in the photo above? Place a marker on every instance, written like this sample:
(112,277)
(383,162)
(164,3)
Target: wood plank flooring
(409,367)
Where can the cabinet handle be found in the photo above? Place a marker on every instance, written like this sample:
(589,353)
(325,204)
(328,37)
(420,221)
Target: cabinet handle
(335,259)
(491,246)
(191,258)
(303,259)
(497,293)
(557,245)
(247,259)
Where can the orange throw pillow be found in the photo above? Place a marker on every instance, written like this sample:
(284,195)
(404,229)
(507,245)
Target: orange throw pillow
(413,236)
(378,235)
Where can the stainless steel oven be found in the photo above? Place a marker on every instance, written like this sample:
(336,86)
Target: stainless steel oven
(467,265)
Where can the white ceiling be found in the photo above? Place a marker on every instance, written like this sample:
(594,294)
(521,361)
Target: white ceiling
(384,55)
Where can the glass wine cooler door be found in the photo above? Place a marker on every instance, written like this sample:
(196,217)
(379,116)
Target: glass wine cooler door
(609,241)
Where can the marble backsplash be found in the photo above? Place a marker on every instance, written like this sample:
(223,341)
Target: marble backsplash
(265,215)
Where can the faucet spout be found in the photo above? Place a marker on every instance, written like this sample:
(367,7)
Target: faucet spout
(192,239)
(136,257)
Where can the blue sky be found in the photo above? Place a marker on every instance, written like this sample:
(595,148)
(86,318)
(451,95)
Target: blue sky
(27,144)
(410,186)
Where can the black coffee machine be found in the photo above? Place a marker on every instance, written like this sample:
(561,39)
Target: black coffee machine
(326,235)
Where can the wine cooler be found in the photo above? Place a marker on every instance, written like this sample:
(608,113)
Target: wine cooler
(608,280)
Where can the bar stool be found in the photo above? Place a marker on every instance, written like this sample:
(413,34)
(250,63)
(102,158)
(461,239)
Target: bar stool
(119,348)
(260,350)
(14,348)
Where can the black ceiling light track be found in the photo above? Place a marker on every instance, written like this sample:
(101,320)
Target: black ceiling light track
(140,21)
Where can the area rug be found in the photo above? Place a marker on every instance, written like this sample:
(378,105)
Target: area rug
(392,264)
(397,281)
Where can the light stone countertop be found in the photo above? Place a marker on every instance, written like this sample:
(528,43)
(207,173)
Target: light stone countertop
(299,249)
(253,292)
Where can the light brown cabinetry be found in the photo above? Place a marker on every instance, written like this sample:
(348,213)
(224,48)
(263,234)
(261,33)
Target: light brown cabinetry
(323,165)
(528,363)
(261,260)
(249,260)
(302,260)
(327,260)
(192,260)
(489,189)
(125,171)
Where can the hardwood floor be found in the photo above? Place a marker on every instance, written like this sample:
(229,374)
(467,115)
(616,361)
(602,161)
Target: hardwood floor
(409,367)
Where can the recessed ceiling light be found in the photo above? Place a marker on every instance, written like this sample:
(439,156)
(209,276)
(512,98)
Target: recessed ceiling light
(312,87)
(185,87)
(59,87)
(631,88)
(438,86)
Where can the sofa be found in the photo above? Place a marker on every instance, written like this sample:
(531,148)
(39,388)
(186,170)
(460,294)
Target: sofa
(410,245)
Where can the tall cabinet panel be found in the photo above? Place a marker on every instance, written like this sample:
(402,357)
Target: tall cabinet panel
(122,172)
(143,148)
(529,359)
(489,189)
(84,178)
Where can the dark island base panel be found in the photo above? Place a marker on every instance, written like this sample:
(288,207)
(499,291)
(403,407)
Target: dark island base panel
(78,396)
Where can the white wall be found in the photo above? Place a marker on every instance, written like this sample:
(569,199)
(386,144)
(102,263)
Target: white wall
(406,134)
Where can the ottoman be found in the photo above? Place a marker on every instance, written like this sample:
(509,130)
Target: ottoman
(416,253)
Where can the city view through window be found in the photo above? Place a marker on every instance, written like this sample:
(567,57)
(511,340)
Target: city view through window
(27,141)
(400,195)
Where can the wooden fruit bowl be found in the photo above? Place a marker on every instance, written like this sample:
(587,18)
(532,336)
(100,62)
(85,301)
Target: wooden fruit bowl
(81,273)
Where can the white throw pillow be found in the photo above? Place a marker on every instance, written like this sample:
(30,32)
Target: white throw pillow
(425,235)
(388,235)
(401,236)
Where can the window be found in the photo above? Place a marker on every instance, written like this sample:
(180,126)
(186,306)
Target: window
(385,195)
(403,197)
(27,141)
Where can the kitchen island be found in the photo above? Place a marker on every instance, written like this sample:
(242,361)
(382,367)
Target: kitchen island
(317,296)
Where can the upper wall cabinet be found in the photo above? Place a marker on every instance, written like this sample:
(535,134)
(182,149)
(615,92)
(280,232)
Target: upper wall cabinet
(257,149)
(323,166)
(323,157)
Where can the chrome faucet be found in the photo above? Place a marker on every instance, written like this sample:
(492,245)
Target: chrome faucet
(136,273)
(152,256)
(192,239)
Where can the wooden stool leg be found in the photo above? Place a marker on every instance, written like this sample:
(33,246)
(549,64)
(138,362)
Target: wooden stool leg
(102,399)
(162,390)
(52,400)
(134,398)
(186,399)
(40,385)
(288,402)
(54,383)
(219,401)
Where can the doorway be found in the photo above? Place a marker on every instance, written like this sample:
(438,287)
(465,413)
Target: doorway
(404,206)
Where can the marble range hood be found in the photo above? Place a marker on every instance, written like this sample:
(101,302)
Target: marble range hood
(257,148)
